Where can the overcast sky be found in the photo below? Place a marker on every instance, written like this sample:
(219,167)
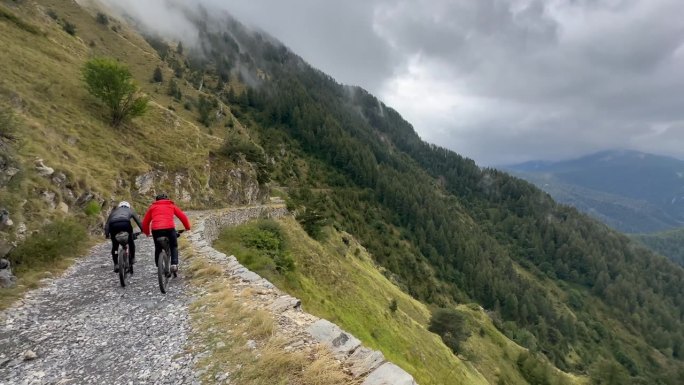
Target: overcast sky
(499,81)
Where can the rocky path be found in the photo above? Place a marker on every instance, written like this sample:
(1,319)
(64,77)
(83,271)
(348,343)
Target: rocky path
(83,328)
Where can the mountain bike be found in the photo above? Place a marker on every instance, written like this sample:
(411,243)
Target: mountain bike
(123,260)
(164,262)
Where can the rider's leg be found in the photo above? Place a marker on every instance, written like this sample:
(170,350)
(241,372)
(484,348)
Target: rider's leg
(115,249)
(173,243)
(115,228)
(131,246)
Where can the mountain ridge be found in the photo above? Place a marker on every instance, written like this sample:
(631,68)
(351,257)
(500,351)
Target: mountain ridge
(574,293)
(629,190)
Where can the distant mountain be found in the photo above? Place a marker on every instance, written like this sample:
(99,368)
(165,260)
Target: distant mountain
(631,191)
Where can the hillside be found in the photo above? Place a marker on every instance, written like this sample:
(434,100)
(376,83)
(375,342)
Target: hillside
(667,243)
(444,233)
(630,191)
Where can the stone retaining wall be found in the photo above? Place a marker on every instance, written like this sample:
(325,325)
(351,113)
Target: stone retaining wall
(360,361)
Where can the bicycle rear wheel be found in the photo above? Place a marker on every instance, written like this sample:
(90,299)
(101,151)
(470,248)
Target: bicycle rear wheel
(123,265)
(162,271)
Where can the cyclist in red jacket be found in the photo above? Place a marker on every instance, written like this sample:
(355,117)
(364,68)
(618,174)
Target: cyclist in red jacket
(161,214)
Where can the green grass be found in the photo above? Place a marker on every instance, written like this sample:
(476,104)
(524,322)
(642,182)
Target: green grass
(43,254)
(337,280)
(340,283)
(61,123)
(47,113)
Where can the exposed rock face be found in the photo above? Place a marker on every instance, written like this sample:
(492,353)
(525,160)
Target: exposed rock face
(144,182)
(49,198)
(5,221)
(6,277)
(7,166)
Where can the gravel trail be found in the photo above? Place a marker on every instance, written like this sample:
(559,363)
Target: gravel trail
(84,328)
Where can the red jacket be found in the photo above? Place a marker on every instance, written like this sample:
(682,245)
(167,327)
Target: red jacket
(161,215)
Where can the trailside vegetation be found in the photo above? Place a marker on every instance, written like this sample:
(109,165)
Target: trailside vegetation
(112,83)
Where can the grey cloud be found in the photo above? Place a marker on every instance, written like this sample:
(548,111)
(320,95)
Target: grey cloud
(504,80)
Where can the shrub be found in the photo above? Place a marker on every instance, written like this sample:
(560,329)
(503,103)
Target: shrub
(174,90)
(102,19)
(92,209)
(393,305)
(204,107)
(236,145)
(53,15)
(157,76)
(112,83)
(450,324)
(69,28)
(269,249)
(56,240)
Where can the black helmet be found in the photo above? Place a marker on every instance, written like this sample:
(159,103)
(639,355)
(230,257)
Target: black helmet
(161,196)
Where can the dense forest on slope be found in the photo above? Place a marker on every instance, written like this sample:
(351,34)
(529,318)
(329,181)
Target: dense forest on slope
(668,243)
(448,231)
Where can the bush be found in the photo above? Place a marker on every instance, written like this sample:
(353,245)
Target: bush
(450,324)
(268,249)
(56,240)
(53,15)
(69,28)
(92,209)
(102,19)
(157,76)
(174,90)
(112,83)
(236,145)
(205,107)
(393,305)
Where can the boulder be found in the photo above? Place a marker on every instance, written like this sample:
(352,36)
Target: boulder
(49,198)
(5,220)
(389,374)
(340,342)
(63,207)
(59,178)
(364,361)
(284,303)
(42,169)
(7,279)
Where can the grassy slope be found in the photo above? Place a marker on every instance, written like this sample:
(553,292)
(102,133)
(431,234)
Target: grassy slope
(58,121)
(341,283)
(42,84)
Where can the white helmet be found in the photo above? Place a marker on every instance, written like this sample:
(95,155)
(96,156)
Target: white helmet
(125,204)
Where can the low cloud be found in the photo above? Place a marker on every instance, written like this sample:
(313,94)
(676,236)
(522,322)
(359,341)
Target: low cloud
(500,81)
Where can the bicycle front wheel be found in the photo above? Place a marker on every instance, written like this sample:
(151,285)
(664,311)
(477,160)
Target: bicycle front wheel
(162,269)
(123,265)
